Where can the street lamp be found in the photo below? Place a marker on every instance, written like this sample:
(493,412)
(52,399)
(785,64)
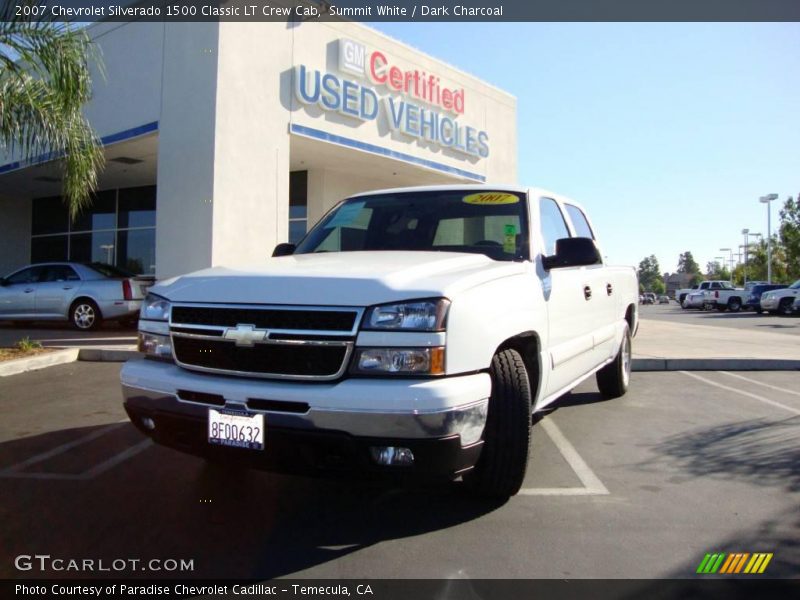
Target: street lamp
(746,250)
(766,200)
(730,260)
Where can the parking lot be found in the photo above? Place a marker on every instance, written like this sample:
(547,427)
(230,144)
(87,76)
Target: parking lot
(748,320)
(639,487)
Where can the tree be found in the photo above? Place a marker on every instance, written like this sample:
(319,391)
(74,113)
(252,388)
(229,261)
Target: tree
(44,83)
(687,264)
(715,271)
(790,236)
(658,287)
(649,272)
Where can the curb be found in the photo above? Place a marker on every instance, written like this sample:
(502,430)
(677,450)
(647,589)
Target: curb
(21,365)
(714,364)
(106,354)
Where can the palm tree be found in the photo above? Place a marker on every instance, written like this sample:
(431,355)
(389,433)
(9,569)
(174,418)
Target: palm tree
(44,83)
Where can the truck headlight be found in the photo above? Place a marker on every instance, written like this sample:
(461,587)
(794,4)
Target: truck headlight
(402,361)
(154,308)
(154,340)
(419,315)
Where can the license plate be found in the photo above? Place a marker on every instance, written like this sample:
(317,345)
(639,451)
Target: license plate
(236,429)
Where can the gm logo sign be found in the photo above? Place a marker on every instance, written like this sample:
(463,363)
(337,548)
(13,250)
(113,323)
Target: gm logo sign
(352,57)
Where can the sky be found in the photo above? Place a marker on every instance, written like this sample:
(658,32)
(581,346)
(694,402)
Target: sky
(668,133)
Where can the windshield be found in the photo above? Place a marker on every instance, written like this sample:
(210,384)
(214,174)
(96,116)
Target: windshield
(795,285)
(493,223)
(726,286)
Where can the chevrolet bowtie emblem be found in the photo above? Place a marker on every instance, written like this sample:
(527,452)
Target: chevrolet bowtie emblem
(245,335)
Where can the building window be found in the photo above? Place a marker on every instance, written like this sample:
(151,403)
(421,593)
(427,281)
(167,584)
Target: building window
(117,229)
(298,205)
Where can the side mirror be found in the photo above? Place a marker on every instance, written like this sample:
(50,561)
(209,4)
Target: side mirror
(283,249)
(573,252)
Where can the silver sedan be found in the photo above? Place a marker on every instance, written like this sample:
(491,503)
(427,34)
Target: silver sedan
(83,294)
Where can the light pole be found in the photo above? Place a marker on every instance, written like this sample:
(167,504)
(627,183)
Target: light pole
(746,250)
(766,200)
(730,262)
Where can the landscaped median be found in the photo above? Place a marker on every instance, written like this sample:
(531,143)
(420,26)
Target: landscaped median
(27,355)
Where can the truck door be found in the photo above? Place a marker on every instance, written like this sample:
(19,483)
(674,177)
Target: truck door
(568,293)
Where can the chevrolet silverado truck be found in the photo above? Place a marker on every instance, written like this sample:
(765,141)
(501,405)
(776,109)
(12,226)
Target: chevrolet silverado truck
(680,295)
(413,332)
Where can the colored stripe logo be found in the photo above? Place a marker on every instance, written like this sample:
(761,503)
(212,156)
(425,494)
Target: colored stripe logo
(734,563)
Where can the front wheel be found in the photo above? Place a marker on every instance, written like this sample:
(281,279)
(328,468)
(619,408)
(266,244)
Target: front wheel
(507,436)
(84,315)
(785,307)
(614,378)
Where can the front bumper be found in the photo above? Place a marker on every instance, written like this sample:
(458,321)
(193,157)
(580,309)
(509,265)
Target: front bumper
(318,428)
(769,303)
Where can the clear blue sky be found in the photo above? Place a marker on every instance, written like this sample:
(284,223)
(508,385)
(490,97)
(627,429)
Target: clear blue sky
(667,133)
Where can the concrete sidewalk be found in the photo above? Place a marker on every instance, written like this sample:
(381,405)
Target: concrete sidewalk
(666,346)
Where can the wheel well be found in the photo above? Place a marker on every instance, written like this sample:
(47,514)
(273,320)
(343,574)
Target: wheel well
(84,299)
(629,317)
(528,345)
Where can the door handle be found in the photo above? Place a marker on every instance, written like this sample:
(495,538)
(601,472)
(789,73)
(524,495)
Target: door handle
(67,287)
(609,289)
(28,291)
(587,292)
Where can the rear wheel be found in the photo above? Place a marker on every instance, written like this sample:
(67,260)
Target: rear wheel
(506,439)
(735,304)
(785,307)
(614,378)
(84,315)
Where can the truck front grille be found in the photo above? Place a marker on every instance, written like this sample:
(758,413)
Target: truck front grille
(311,343)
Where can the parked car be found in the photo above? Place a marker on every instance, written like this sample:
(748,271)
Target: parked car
(696,299)
(663,299)
(781,301)
(83,294)
(648,298)
(718,284)
(392,341)
(753,301)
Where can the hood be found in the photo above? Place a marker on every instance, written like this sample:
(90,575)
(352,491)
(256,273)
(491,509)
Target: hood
(340,279)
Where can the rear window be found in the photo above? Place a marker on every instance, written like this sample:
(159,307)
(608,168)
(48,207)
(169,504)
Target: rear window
(109,271)
(493,223)
(579,221)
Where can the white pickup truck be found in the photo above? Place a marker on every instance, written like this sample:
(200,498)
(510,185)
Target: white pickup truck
(703,286)
(412,332)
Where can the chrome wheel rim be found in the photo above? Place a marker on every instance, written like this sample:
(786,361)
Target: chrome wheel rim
(84,316)
(626,359)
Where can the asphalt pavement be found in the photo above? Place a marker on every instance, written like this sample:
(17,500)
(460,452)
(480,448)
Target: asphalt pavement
(639,487)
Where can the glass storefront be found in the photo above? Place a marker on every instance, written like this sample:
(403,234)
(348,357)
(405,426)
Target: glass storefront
(119,228)
(298,205)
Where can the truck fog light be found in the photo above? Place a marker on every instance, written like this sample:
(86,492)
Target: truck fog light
(426,361)
(148,423)
(392,456)
(158,346)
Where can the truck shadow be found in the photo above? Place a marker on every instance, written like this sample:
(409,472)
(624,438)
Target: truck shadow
(230,523)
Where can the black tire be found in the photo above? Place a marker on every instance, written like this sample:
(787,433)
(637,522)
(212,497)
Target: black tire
(681,299)
(785,306)
(735,304)
(759,311)
(84,315)
(507,436)
(614,378)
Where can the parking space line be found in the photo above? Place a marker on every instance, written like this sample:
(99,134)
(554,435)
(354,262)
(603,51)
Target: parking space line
(794,411)
(591,483)
(117,459)
(767,385)
(61,449)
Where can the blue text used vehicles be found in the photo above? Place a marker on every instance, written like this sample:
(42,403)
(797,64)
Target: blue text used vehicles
(412,332)
(83,294)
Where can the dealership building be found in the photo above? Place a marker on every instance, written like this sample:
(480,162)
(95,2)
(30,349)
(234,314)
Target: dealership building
(223,139)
